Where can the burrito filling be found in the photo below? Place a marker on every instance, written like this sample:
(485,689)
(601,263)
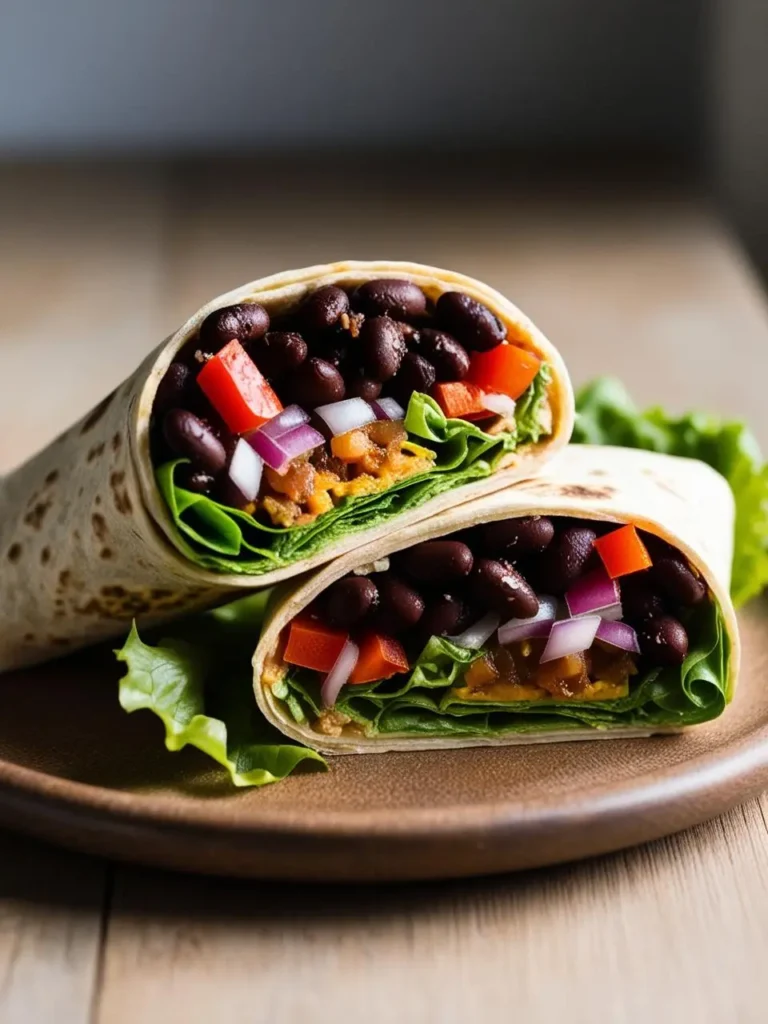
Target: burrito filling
(521,624)
(273,436)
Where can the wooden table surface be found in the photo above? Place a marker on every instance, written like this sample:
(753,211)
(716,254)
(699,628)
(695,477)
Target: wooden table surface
(97,265)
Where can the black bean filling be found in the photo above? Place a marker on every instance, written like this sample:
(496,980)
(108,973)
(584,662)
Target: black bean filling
(441,587)
(382,339)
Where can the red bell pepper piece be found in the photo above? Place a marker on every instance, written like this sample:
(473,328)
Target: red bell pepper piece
(622,552)
(380,657)
(234,386)
(313,645)
(506,368)
(460,400)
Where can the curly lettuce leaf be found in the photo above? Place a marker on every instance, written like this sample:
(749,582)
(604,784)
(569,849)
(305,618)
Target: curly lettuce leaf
(198,681)
(228,540)
(607,415)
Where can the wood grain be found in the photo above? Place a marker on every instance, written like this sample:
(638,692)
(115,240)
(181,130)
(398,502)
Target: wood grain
(648,285)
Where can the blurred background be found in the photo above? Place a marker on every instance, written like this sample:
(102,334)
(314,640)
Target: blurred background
(155,153)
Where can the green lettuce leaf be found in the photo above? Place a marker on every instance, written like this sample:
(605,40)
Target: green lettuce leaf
(227,540)
(607,415)
(198,681)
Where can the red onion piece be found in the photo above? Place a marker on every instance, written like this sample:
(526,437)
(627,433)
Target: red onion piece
(279,453)
(349,414)
(286,420)
(537,627)
(388,409)
(502,405)
(618,634)
(245,469)
(342,669)
(476,635)
(594,593)
(571,636)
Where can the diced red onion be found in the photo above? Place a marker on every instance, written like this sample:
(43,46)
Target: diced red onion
(342,669)
(476,635)
(245,469)
(618,634)
(388,409)
(279,453)
(286,420)
(536,627)
(341,417)
(502,405)
(571,636)
(593,594)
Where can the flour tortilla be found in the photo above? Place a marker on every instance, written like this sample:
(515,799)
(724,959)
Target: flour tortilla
(86,539)
(683,501)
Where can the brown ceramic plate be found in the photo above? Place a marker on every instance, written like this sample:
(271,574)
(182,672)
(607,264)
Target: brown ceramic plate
(78,771)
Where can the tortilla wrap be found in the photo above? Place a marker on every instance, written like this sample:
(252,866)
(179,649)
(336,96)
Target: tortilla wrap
(685,502)
(86,539)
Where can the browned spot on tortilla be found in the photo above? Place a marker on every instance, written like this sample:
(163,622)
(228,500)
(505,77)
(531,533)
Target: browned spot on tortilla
(116,442)
(59,602)
(94,452)
(76,534)
(45,555)
(116,477)
(52,477)
(80,492)
(36,515)
(59,641)
(99,526)
(122,502)
(14,552)
(114,591)
(580,491)
(597,472)
(159,593)
(96,413)
(29,638)
(97,500)
(65,578)
(105,553)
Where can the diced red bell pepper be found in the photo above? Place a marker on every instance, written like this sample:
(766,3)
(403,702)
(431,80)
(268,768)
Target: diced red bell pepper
(506,368)
(460,400)
(314,645)
(622,552)
(235,387)
(380,658)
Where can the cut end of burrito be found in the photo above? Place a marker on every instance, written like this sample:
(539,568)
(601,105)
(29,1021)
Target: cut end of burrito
(528,617)
(309,407)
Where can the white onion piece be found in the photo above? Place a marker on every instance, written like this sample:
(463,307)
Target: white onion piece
(286,420)
(476,635)
(526,629)
(571,636)
(342,669)
(592,593)
(612,613)
(245,469)
(618,634)
(502,405)
(341,417)
(388,409)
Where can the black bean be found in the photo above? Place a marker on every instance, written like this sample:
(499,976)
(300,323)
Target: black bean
(244,321)
(442,617)
(564,559)
(497,586)
(639,600)
(448,356)
(193,479)
(174,388)
(400,606)
(676,581)
(438,562)
(323,308)
(192,438)
(415,374)
(366,388)
(470,321)
(663,640)
(514,538)
(389,296)
(382,347)
(278,353)
(348,601)
(316,382)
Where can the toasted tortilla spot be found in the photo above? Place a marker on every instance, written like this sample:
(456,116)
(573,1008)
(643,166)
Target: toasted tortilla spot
(159,593)
(14,552)
(116,442)
(106,553)
(97,500)
(94,452)
(59,641)
(65,578)
(28,638)
(580,491)
(97,412)
(45,555)
(52,477)
(36,515)
(99,526)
